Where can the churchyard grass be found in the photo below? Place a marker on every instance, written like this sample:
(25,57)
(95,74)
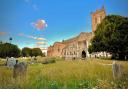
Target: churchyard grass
(76,74)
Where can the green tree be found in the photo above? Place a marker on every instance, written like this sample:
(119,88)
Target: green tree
(26,52)
(36,52)
(9,50)
(112,36)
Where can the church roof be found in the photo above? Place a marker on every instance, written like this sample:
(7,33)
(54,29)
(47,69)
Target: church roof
(81,36)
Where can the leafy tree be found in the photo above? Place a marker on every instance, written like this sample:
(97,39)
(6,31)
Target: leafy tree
(26,52)
(112,36)
(9,50)
(36,52)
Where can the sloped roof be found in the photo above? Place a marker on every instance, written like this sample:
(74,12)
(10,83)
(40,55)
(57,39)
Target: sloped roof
(81,36)
(85,36)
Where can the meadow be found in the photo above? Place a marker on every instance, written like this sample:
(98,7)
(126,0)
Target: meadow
(73,74)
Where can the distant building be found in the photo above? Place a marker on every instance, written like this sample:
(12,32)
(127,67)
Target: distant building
(77,47)
(44,50)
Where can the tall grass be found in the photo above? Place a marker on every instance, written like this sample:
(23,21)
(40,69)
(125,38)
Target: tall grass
(78,74)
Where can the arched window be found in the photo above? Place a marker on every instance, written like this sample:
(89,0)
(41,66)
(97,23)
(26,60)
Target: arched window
(83,54)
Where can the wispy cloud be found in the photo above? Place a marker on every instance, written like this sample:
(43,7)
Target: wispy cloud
(32,37)
(41,43)
(27,1)
(20,34)
(2,33)
(41,39)
(33,5)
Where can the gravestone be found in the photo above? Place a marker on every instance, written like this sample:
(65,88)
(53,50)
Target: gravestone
(20,69)
(10,62)
(33,60)
(117,70)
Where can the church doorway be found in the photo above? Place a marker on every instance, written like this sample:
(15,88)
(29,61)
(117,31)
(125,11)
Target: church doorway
(83,54)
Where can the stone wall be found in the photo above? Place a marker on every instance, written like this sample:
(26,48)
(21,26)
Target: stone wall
(55,50)
(77,47)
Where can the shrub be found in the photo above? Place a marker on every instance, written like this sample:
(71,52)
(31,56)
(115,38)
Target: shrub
(48,61)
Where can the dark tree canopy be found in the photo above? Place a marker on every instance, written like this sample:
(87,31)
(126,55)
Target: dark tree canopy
(9,50)
(26,52)
(37,52)
(111,36)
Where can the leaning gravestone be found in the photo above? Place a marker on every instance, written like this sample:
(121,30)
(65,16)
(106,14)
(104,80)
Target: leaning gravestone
(11,62)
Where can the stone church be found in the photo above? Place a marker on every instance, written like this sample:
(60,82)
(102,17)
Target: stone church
(77,47)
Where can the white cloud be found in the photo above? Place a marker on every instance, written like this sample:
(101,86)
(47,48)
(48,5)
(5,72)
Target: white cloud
(41,43)
(39,24)
(41,39)
(32,37)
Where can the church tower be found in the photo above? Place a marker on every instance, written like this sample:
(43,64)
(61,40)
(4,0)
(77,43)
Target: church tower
(97,17)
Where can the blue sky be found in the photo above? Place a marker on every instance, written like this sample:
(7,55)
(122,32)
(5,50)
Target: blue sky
(65,19)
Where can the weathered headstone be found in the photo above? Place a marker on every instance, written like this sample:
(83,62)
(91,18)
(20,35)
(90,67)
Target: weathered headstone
(33,60)
(11,62)
(20,69)
(117,70)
